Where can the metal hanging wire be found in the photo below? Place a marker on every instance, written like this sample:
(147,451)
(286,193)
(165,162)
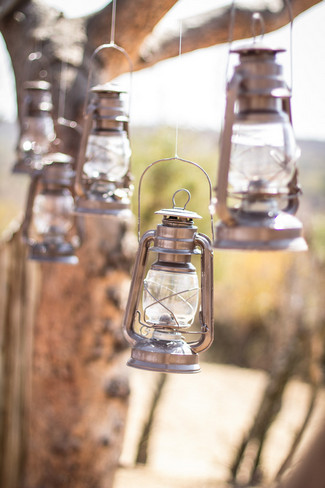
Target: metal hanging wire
(288,5)
(257,21)
(62,121)
(178,108)
(113,24)
(230,35)
(62,90)
(175,158)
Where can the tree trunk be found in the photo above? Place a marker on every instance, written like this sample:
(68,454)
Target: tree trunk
(16,321)
(79,385)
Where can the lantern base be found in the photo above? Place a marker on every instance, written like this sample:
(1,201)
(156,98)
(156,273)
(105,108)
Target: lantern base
(109,206)
(174,356)
(53,253)
(261,232)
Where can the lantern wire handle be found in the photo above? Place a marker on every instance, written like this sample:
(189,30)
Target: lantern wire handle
(260,19)
(110,45)
(97,50)
(184,161)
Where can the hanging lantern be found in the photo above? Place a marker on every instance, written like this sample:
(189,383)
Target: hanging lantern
(103,177)
(171,295)
(37,134)
(258,158)
(50,212)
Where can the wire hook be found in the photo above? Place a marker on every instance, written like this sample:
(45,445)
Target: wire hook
(188,198)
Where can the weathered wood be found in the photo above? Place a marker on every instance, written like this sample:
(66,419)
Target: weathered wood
(16,322)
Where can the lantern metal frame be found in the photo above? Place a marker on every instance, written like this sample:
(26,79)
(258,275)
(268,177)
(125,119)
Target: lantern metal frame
(116,201)
(58,172)
(175,240)
(258,86)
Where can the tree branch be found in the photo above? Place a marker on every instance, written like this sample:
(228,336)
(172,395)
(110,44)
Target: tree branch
(8,6)
(135,20)
(211,28)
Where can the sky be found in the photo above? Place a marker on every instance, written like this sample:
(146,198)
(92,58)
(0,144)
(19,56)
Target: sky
(190,90)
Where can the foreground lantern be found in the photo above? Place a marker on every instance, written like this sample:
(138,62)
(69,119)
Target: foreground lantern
(37,132)
(50,211)
(258,158)
(170,296)
(103,176)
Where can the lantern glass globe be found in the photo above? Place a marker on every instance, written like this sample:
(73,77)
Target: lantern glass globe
(170,298)
(263,155)
(53,213)
(107,156)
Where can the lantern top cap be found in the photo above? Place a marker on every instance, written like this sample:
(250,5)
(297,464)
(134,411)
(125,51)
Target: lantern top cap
(180,212)
(254,48)
(37,85)
(109,87)
(57,158)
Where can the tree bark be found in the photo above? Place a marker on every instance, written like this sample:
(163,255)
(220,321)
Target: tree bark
(213,27)
(16,322)
(79,384)
(80,387)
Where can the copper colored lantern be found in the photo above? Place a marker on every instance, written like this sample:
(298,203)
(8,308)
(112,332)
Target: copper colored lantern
(257,168)
(171,293)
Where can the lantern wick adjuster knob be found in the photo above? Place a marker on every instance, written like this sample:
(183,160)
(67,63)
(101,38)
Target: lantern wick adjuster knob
(188,198)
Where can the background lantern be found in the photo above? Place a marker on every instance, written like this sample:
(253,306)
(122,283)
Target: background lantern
(103,178)
(37,132)
(170,296)
(37,127)
(258,158)
(50,212)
